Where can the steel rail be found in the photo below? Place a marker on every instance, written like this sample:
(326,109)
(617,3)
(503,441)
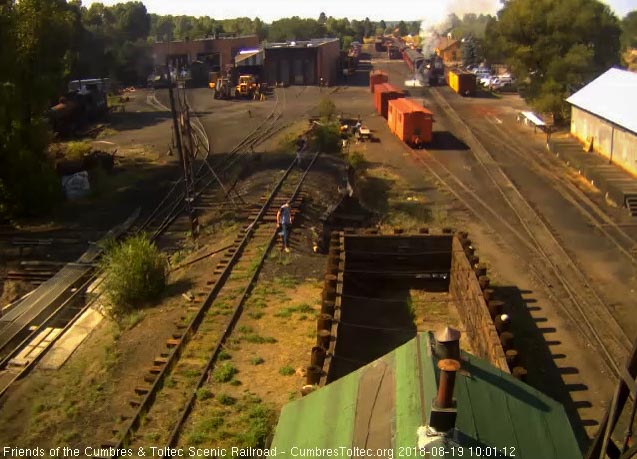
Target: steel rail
(134,421)
(537,248)
(210,364)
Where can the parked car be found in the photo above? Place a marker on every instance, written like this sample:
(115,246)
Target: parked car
(484,80)
(501,81)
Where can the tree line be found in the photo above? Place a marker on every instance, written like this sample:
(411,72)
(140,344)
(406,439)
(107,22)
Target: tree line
(556,46)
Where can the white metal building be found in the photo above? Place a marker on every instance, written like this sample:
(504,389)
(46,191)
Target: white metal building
(604,112)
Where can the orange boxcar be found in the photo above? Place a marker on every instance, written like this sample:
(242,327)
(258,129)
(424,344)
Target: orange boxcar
(377,77)
(383,93)
(411,122)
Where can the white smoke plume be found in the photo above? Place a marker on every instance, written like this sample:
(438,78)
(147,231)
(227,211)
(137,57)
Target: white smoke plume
(436,22)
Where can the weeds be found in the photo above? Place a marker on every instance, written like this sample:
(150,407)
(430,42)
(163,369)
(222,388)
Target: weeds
(302,308)
(258,422)
(204,394)
(286,371)
(77,150)
(135,274)
(256,360)
(248,334)
(356,160)
(226,399)
(224,373)
(258,339)
(285,281)
(224,355)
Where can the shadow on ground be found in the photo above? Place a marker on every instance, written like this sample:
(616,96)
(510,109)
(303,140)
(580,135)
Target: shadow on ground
(129,121)
(534,341)
(445,140)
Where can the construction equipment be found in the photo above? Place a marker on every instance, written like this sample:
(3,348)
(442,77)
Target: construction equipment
(222,88)
(246,87)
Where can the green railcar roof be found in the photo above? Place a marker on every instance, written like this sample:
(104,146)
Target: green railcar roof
(379,408)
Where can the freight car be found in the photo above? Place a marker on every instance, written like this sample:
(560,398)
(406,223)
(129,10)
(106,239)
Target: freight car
(377,77)
(464,83)
(413,59)
(383,93)
(410,122)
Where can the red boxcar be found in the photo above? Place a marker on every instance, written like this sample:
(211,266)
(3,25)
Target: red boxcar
(383,93)
(411,122)
(377,77)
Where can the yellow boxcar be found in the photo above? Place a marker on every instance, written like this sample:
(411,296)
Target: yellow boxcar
(464,83)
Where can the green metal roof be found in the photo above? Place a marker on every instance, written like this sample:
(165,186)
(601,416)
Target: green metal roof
(379,408)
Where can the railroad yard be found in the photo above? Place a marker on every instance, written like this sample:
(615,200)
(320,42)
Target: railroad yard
(234,337)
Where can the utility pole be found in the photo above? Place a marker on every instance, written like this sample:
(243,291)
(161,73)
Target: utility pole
(184,158)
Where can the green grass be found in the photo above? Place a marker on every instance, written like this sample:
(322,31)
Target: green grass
(191,373)
(77,150)
(356,160)
(256,360)
(258,421)
(224,355)
(133,318)
(256,315)
(226,399)
(224,373)
(249,335)
(257,302)
(286,281)
(265,289)
(204,394)
(258,339)
(286,371)
(302,308)
(197,438)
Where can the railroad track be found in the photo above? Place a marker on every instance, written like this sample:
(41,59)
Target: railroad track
(210,169)
(548,260)
(159,409)
(25,342)
(544,166)
(28,346)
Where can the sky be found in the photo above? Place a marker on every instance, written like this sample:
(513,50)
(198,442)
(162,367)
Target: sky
(376,10)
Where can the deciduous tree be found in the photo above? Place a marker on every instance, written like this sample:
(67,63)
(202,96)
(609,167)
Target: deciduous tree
(557,46)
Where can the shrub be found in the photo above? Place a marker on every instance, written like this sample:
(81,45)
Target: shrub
(356,160)
(327,109)
(204,394)
(226,399)
(224,373)
(77,150)
(287,371)
(326,138)
(135,274)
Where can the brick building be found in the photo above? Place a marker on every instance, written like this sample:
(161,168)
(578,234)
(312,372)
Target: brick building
(217,53)
(302,62)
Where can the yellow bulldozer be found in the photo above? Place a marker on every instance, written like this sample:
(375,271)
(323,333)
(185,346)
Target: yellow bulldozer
(246,87)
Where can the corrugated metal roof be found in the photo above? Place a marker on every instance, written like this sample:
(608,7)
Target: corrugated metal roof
(612,96)
(382,405)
